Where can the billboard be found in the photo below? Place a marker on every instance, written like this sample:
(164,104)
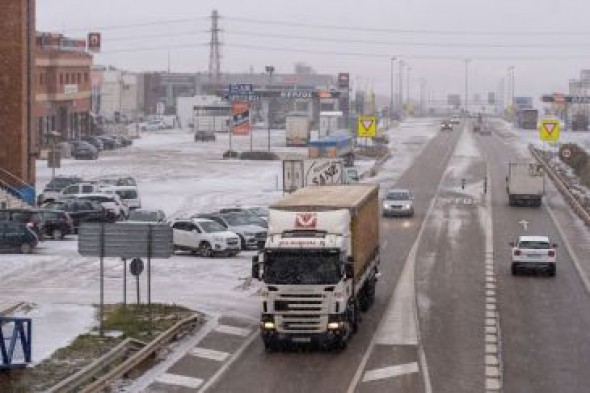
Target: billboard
(523,102)
(240,118)
(343,80)
(94,42)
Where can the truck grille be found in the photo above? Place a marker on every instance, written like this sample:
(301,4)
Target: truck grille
(301,313)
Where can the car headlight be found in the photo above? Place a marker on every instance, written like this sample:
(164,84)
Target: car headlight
(385,206)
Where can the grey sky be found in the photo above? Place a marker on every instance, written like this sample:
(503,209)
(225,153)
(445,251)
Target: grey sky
(478,22)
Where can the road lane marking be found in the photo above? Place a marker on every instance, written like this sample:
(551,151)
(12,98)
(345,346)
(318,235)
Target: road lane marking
(233,330)
(210,354)
(390,372)
(179,380)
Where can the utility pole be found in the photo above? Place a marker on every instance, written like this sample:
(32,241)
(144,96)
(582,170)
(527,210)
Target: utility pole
(466,85)
(214,55)
(269,70)
(422,93)
(391,92)
(408,89)
(400,88)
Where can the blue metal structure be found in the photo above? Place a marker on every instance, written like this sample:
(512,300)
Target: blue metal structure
(15,338)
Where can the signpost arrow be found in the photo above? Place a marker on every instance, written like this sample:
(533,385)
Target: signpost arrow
(525,224)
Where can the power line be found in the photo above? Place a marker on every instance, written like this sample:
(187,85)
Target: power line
(407,31)
(402,43)
(139,24)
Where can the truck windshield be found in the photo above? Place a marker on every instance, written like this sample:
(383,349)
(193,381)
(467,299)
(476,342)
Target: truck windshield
(299,267)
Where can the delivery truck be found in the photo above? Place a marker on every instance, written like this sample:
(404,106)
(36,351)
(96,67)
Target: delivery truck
(525,183)
(319,265)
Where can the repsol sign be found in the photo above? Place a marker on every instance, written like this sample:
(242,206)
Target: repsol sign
(297,94)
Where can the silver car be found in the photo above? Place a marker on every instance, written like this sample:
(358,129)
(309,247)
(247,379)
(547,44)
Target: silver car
(398,202)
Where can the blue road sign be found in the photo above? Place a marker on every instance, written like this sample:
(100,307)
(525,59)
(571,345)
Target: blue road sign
(15,342)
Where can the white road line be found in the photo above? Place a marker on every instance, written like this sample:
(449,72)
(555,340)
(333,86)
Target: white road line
(179,380)
(390,372)
(210,354)
(233,330)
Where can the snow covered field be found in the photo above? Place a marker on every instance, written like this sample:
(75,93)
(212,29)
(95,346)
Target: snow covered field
(181,177)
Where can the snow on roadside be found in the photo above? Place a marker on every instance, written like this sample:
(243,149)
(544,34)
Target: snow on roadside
(181,177)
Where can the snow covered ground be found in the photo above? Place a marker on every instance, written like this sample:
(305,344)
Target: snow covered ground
(181,177)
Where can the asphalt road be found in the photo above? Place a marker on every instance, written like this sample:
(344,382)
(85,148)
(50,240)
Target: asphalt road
(449,316)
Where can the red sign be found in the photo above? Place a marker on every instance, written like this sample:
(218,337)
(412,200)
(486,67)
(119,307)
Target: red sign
(306,221)
(240,118)
(94,42)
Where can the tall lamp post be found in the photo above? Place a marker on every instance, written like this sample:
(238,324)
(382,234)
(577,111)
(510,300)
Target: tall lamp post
(466,85)
(269,70)
(391,92)
(511,91)
(400,88)
(408,88)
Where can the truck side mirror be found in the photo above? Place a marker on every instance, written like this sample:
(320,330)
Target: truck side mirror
(349,270)
(255,267)
(554,245)
(511,244)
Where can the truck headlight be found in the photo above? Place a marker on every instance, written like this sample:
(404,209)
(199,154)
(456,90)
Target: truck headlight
(268,325)
(334,325)
(267,322)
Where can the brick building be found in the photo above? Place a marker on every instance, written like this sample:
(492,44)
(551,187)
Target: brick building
(62,88)
(17,151)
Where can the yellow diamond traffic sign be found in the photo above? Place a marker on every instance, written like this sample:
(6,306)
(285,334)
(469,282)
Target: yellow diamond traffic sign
(367,126)
(549,130)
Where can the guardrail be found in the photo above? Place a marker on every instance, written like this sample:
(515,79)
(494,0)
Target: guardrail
(94,383)
(559,183)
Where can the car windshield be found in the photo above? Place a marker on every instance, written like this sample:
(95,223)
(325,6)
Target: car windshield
(398,196)
(302,268)
(144,216)
(534,245)
(212,227)
(127,194)
(240,219)
(259,211)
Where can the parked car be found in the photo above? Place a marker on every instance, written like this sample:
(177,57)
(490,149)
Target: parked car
(81,211)
(30,217)
(147,216)
(84,150)
(56,223)
(205,136)
(259,211)
(117,181)
(73,190)
(115,207)
(206,237)
(16,236)
(94,141)
(129,195)
(250,216)
(52,189)
(108,142)
(251,236)
(534,252)
(398,202)
(125,141)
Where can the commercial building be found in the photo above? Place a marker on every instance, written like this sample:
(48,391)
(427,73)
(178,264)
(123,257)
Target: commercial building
(120,94)
(62,88)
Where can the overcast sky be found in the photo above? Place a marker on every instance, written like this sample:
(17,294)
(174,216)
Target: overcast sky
(547,41)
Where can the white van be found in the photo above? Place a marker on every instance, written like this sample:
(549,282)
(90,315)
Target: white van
(129,194)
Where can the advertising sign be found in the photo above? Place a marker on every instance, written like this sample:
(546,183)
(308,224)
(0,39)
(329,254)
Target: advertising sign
(94,42)
(316,172)
(240,118)
(343,80)
(70,88)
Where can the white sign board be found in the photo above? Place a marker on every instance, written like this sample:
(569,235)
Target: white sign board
(319,172)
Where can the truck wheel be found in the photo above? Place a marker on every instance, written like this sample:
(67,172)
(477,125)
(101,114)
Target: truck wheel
(511,200)
(552,270)
(514,269)
(270,345)
(368,296)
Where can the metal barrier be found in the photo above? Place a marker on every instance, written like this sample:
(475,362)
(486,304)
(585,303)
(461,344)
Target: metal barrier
(17,342)
(559,183)
(94,383)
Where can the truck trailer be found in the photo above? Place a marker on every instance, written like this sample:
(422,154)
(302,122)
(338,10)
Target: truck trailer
(319,265)
(333,146)
(525,183)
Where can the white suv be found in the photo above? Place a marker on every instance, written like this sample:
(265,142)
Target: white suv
(205,237)
(534,252)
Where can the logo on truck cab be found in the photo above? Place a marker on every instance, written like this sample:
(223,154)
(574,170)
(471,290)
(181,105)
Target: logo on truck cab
(306,221)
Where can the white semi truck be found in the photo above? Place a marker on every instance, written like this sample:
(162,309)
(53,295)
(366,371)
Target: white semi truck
(525,183)
(319,265)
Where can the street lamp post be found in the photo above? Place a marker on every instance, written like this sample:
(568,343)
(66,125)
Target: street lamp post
(391,92)
(408,89)
(269,70)
(400,87)
(466,85)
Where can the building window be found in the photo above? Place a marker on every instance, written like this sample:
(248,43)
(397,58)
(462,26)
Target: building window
(85,77)
(61,78)
(41,78)
(79,78)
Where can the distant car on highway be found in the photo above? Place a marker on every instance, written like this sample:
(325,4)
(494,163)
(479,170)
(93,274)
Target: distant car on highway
(446,125)
(455,120)
(398,202)
(534,252)
(485,129)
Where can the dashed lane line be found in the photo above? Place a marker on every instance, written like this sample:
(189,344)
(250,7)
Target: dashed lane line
(179,380)
(210,354)
(390,372)
(233,330)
